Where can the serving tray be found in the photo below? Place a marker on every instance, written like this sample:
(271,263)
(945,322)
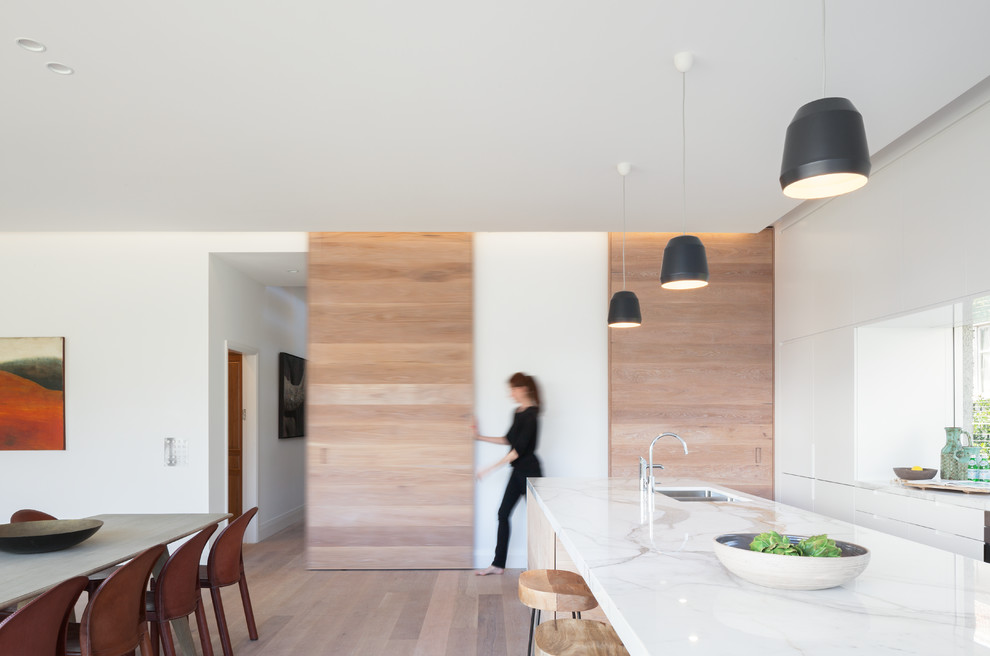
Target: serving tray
(968,487)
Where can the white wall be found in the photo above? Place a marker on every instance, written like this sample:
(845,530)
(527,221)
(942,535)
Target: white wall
(541,305)
(916,236)
(260,322)
(134,309)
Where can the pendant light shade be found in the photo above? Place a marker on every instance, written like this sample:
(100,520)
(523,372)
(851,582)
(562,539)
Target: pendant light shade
(825,151)
(685,264)
(623,310)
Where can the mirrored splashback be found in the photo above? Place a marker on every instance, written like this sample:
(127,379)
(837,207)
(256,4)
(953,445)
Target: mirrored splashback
(915,375)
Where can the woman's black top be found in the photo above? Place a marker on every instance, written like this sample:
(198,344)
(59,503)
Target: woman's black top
(522,437)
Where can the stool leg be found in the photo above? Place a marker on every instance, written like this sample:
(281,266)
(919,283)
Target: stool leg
(532,632)
(532,628)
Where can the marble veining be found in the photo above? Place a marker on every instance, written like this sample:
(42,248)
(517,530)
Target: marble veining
(657,579)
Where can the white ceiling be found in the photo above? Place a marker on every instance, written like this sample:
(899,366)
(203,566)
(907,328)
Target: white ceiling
(445,114)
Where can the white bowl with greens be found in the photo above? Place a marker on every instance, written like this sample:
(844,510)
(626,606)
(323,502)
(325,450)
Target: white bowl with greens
(791,562)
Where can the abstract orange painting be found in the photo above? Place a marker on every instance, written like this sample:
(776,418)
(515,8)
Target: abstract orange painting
(32,393)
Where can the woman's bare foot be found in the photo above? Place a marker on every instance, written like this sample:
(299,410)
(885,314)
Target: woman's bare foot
(491,569)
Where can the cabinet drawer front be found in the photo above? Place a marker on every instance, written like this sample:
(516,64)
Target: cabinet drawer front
(944,517)
(949,542)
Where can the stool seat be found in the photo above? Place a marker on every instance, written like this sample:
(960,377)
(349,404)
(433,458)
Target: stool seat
(555,590)
(577,638)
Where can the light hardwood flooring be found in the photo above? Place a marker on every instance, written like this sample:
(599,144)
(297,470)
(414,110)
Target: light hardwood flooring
(366,613)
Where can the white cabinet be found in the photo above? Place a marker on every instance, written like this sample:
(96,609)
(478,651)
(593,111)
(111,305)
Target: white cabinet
(834,419)
(878,260)
(934,538)
(815,279)
(795,392)
(825,498)
(815,416)
(958,529)
(935,522)
(948,517)
(835,500)
(797,491)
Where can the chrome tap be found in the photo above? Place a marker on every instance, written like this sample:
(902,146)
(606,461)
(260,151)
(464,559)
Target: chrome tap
(645,473)
(651,480)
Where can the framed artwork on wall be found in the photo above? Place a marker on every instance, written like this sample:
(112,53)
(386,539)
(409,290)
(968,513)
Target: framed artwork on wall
(291,396)
(32,393)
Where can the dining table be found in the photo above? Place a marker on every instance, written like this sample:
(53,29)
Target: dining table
(121,538)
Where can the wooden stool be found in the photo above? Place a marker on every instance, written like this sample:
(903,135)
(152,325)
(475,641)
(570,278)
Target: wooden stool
(578,638)
(555,590)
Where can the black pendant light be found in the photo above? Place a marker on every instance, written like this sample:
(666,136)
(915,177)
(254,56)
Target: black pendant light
(623,309)
(685,263)
(825,151)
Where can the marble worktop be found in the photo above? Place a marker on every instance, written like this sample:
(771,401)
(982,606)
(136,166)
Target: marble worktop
(657,579)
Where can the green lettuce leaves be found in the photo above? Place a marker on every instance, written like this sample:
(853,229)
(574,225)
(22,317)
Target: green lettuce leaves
(817,546)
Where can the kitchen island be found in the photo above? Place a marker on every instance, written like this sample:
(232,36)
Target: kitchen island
(658,581)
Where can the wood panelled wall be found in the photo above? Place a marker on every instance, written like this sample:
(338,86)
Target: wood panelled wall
(390,396)
(701,365)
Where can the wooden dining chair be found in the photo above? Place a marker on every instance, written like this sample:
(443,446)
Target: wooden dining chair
(224,567)
(29,515)
(39,627)
(114,622)
(175,593)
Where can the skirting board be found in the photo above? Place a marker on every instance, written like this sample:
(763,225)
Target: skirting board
(285,520)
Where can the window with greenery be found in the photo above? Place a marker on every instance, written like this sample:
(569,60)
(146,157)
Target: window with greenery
(982,353)
(981,419)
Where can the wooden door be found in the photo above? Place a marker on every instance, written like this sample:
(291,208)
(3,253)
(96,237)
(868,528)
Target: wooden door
(235,432)
(390,451)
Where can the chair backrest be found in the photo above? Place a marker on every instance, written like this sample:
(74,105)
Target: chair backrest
(177,585)
(114,620)
(224,564)
(28,515)
(38,629)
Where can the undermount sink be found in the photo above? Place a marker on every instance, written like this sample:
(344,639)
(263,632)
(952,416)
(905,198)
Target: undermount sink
(695,494)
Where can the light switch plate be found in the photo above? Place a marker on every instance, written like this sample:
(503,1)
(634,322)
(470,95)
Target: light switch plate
(176,452)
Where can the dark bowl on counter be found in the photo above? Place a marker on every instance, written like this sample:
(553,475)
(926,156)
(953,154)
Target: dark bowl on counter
(908,474)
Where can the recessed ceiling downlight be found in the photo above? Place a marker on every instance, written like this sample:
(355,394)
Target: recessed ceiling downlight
(61,69)
(31,45)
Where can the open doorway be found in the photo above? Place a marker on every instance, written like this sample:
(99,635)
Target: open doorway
(235,433)
(242,432)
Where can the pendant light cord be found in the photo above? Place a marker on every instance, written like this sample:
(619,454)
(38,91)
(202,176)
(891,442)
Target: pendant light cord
(684,151)
(623,233)
(824,58)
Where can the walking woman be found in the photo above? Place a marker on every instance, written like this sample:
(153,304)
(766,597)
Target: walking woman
(522,438)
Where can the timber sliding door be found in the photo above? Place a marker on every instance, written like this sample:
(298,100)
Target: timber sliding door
(390,396)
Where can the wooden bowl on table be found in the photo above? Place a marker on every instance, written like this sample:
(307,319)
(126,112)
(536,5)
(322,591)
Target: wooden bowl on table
(47,535)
